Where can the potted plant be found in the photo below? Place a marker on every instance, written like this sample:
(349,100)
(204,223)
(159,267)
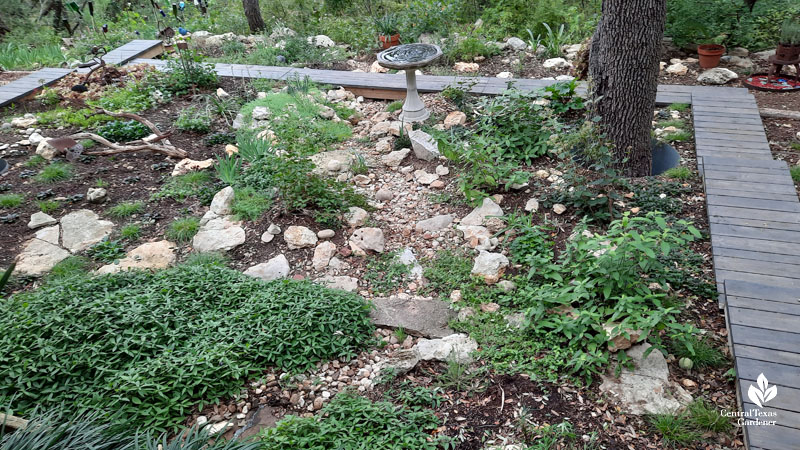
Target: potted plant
(789,44)
(388,33)
(710,55)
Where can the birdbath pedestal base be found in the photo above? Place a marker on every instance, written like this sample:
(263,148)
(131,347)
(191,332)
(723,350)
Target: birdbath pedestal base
(410,57)
(413,108)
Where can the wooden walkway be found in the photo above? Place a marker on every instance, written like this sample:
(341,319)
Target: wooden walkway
(393,86)
(138,48)
(27,85)
(754,221)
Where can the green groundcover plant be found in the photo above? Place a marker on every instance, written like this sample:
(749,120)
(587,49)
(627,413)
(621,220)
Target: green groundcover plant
(148,347)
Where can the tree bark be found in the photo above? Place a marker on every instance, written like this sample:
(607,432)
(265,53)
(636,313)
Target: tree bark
(253,13)
(623,72)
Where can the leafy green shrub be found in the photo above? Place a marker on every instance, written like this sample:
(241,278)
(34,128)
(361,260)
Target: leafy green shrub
(107,251)
(66,117)
(470,47)
(513,17)
(194,119)
(8,201)
(123,131)
(192,184)
(659,196)
(248,204)
(125,209)
(379,425)
(599,278)
(134,96)
(55,172)
(414,396)
(150,347)
(183,230)
(299,189)
(184,74)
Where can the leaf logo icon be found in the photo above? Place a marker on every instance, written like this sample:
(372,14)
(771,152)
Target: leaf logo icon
(763,393)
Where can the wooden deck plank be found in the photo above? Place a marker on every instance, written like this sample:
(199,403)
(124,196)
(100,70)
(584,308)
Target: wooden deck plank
(722,185)
(758,233)
(783,270)
(765,205)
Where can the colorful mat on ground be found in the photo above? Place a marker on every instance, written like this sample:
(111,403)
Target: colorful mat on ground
(764,82)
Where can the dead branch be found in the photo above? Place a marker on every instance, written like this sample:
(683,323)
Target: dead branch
(134,146)
(779,113)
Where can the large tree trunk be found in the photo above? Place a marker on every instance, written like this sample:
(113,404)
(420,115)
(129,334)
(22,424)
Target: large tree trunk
(253,13)
(623,72)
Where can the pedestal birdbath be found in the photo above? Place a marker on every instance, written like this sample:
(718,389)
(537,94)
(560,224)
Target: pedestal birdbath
(410,57)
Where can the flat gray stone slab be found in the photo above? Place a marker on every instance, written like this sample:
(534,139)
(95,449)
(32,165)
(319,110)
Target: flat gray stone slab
(415,315)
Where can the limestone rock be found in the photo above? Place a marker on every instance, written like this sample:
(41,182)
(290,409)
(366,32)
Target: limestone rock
(321,41)
(407,258)
(677,69)
(717,75)
(27,121)
(369,238)
(479,215)
(455,347)
(323,161)
(646,389)
(297,237)
(356,217)
(219,234)
(490,266)
(466,67)
(261,113)
(532,205)
(434,223)
(38,257)
(416,315)
(344,283)
(323,254)
(275,268)
(395,158)
(425,178)
(425,147)
(556,63)
(83,228)
(96,195)
(505,75)
(152,255)
(617,340)
(558,208)
(187,165)
(40,219)
(46,151)
(222,202)
(516,44)
(455,118)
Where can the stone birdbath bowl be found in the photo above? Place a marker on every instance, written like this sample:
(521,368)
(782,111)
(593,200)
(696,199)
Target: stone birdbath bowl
(410,57)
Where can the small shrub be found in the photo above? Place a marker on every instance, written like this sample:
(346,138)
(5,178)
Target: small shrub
(380,425)
(678,107)
(678,173)
(8,201)
(123,131)
(134,96)
(81,118)
(396,105)
(107,251)
(71,267)
(707,418)
(248,204)
(467,49)
(676,430)
(185,73)
(131,232)
(795,172)
(192,184)
(700,351)
(678,136)
(55,172)
(228,169)
(125,209)
(183,230)
(194,120)
(48,206)
(35,161)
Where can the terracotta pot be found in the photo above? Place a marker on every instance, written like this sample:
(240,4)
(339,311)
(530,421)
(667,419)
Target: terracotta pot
(786,52)
(389,41)
(710,55)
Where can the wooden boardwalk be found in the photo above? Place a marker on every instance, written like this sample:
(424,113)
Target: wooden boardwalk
(393,86)
(138,48)
(754,221)
(27,85)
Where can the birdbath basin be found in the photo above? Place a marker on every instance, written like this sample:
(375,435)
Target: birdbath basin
(410,57)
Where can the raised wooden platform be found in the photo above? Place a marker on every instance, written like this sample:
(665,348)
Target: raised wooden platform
(765,339)
(393,86)
(24,87)
(138,48)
